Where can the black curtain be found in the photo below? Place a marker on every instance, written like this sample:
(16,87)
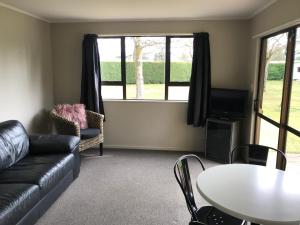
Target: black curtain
(91,75)
(200,83)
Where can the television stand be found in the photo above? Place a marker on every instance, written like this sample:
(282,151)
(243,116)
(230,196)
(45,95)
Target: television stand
(221,137)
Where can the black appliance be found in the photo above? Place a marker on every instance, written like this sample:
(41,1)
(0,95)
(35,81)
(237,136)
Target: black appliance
(228,103)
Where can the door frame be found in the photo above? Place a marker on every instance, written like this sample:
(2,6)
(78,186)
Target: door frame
(286,92)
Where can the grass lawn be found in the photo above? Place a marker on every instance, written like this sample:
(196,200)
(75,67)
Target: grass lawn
(151,91)
(271,108)
(157,92)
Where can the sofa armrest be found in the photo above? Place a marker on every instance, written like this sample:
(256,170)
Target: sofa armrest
(45,144)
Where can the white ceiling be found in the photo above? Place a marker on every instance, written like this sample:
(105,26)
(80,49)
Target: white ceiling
(99,10)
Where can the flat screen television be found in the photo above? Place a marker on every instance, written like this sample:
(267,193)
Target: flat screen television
(228,103)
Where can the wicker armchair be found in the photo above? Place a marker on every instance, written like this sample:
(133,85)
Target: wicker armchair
(90,137)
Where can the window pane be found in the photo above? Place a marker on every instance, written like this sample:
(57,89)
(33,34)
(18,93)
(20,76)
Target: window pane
(268,134)
(294,116)
(110,58)
(181,59)
(293,152)
(274,75)
(112,92)
(178,93)
(145,67)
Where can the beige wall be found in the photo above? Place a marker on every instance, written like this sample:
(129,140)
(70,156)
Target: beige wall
(26,88)
(150,125)
(153,125)
(228,42)
(282,14)
(27,83)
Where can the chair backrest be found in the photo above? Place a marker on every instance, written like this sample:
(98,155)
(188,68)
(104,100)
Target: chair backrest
(182,175)
(257,155)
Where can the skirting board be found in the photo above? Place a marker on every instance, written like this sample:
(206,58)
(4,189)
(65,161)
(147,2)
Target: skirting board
(179,149)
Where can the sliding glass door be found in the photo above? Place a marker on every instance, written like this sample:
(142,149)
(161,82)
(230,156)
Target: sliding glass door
(278,103)
(293,139)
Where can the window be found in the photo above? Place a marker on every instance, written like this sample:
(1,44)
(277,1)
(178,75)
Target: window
(143,67)
(181,54)
(278,104)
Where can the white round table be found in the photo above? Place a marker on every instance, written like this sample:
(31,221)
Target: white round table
(253,193)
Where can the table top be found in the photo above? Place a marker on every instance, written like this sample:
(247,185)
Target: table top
(254,193)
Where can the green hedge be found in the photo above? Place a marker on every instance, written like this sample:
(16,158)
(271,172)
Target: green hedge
(181,71)
(154,72)
(110,71)
(276,71)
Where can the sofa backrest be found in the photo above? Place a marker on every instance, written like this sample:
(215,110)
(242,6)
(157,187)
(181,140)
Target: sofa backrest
(14,143)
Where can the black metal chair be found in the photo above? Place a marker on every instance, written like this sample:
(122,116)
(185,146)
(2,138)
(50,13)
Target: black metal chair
(207,215)
(255,154)
(195,223)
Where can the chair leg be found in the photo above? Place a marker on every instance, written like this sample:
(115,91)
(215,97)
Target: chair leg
(101,149)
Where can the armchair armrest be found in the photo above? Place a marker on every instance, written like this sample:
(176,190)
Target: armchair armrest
(64,126)
(45,144)
(95,120)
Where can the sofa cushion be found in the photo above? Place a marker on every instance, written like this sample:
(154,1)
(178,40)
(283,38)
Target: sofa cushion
(43,170)
(16,200)
(89,133)
(14,143)
(53,144)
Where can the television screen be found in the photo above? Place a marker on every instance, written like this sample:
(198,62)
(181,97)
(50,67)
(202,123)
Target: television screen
(228,103)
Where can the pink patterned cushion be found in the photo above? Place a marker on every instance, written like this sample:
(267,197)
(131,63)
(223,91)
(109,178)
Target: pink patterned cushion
(64,110)
(75,113)
(79,115)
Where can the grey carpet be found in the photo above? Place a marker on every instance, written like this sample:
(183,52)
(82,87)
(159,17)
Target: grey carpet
(124,187)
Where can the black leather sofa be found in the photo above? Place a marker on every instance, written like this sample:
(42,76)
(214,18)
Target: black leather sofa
(34,171)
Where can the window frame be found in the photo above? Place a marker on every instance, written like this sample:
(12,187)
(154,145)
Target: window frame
(121,83)
(282,125)
(168,82)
